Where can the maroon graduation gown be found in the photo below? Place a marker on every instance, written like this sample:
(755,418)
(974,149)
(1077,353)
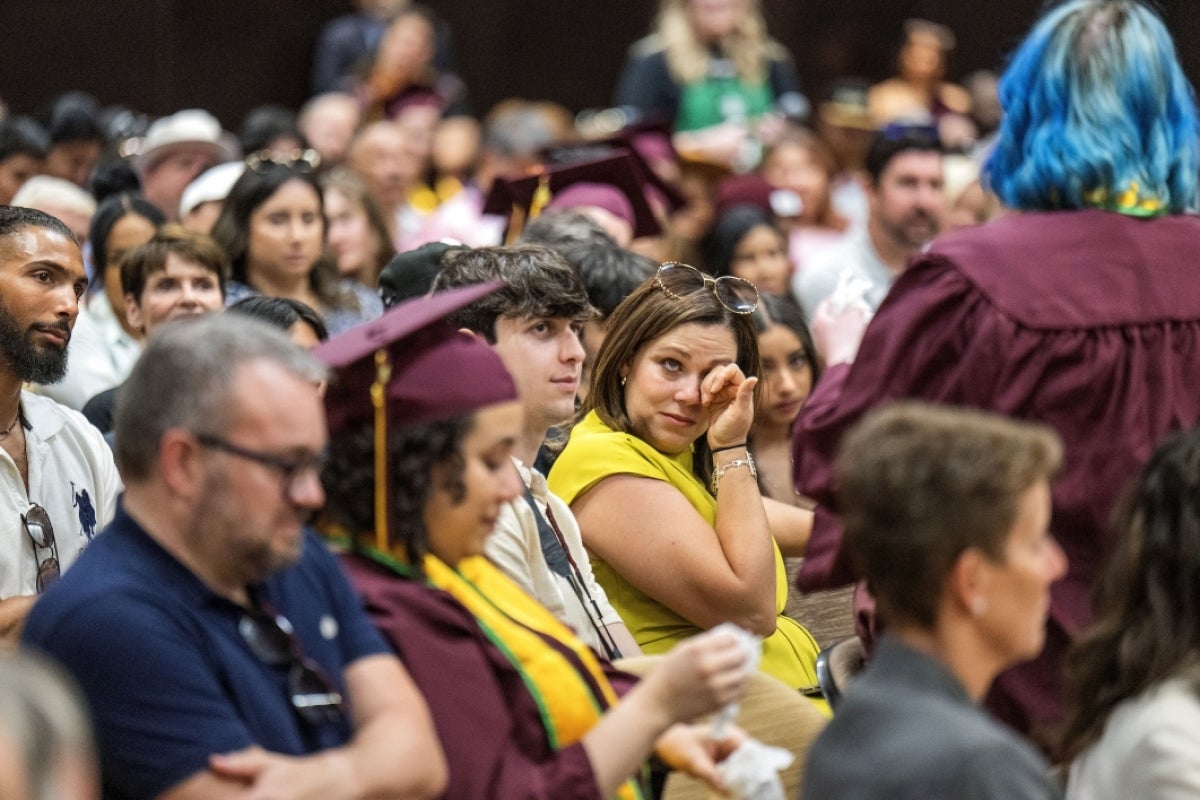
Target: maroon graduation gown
(488,723)
(1088,321)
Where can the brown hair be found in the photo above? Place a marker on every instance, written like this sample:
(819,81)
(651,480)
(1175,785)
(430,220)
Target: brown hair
(1147,598)
(648,313)
(921,483)
(804,139)
(196,248)
(351,185)
(538,282)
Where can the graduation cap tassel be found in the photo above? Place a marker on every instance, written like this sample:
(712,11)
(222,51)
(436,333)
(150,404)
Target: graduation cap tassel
(383,374)
(541,196)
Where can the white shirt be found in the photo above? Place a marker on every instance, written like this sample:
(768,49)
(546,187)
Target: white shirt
(101,355)
(71,475)
(852,259)
(1150,748)
(516,549)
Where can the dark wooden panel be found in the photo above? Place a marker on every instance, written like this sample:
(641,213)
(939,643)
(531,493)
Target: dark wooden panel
(230,55)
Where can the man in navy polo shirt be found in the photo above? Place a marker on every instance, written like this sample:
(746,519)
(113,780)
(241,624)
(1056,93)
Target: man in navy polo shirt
(219,646)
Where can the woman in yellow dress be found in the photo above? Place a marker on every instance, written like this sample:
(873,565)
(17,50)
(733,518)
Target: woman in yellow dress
(659,477)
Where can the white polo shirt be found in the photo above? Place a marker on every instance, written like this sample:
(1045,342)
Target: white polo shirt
(71,475)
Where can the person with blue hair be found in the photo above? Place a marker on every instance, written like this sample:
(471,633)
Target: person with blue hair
(1082,311)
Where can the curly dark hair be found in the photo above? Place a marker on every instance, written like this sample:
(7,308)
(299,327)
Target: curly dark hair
(414,453)
(1147,598)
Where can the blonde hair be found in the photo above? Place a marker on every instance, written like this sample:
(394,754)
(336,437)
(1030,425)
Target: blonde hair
(748,47)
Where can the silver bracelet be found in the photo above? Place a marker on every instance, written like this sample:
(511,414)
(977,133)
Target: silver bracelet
(719,472)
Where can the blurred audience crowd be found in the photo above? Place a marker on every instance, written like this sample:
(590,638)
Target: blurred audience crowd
(511,406)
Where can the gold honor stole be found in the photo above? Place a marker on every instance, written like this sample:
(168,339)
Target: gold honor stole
(569,700)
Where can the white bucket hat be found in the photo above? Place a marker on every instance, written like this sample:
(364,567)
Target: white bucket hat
(191,126)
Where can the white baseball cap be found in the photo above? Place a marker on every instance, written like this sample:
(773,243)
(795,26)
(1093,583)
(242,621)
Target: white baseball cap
(212,184)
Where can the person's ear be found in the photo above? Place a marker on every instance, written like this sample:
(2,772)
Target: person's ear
(133,312)
(970,581)
(181,462)
(472,334)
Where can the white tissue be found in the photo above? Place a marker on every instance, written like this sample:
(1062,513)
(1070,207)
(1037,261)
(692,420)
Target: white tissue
(752,645)
(752,771)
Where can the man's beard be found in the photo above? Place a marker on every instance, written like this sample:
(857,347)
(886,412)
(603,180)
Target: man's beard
(244,551)
(924,233)
(29,361)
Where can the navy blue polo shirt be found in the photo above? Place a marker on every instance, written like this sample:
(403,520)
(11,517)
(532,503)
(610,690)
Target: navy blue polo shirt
(167,675)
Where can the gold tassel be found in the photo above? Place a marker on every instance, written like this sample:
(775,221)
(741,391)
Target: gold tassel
(383,374)
(541,196)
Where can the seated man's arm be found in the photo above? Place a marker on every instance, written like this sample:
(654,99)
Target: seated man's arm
(394,752)
(13,611)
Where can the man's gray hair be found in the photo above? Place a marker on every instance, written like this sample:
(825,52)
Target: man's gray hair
(184,380)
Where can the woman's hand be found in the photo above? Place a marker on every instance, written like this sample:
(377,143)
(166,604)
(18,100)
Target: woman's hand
(692,750)
(699,676)
(729,397)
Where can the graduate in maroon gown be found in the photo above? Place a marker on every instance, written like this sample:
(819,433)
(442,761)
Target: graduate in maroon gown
(1082,311)
(423,422)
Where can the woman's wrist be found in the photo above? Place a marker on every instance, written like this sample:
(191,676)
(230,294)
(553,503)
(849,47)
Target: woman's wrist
(721,469)
(723,448)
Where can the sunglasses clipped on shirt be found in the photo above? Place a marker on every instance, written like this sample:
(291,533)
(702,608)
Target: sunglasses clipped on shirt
(41,534)
(271,638)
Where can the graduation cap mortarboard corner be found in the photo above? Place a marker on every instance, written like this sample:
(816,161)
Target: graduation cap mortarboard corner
(406,368)
(645,145)
(526,196)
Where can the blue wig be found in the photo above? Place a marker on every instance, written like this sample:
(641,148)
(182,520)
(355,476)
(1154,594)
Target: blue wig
(1097,113)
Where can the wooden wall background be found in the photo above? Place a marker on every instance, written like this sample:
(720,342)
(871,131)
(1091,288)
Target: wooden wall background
(230,55)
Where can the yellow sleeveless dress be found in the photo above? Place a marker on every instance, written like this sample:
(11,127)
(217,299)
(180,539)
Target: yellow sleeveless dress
(595,452)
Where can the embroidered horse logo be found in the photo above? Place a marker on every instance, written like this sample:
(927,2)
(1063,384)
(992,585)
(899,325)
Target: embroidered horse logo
(87,514)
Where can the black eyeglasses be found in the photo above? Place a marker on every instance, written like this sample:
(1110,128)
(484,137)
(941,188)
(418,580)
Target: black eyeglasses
(41,534)
(300,160)
(270,636)
(737,294)
(291,469)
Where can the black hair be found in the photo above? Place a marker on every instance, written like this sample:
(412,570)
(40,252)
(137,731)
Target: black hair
(16,218)
(264,124)
(415,454)
(111,211)
(728,231)
(232,229)
(73,117)
(898,138)
(281,312)
(23,136)
(113,176)
(775,309)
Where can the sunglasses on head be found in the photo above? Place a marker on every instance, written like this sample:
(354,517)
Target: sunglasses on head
(679,280)
(299,160)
